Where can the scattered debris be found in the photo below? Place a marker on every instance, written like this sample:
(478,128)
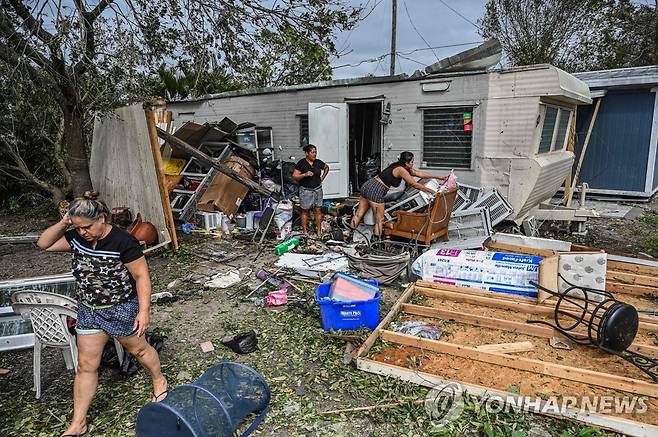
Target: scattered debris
(228,279)
(243,343)
(418,329)
(560,343)
(278,297)
(162,297)
(207,346)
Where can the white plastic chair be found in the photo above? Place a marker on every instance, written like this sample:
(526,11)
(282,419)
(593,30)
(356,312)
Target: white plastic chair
(48,313)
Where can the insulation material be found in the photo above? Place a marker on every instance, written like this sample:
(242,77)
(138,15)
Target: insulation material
(583,270)
(493,271)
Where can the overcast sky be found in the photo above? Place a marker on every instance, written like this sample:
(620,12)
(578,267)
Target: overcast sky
(434,22)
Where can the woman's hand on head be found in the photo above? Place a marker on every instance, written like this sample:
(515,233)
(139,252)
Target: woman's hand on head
(66,220)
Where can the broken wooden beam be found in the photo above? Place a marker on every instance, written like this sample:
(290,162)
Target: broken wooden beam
(182,145)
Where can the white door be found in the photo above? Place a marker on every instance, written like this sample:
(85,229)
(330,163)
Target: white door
(327,130)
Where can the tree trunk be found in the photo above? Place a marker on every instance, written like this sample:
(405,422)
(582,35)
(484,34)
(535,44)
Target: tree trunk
(74,137)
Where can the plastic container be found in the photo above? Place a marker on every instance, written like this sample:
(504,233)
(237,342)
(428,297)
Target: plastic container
(346,288)
(347,315)
(286,246)
(215,405)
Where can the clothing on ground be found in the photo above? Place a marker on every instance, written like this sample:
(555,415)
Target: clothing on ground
(317,168)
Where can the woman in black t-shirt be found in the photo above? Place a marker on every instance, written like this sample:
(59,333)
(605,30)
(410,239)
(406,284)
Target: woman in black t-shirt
(309,173)
(114,297)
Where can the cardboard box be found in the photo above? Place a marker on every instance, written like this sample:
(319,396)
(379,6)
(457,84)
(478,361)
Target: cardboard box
(224,193)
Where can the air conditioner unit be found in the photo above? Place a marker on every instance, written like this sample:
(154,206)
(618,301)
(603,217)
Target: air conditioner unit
(499,207)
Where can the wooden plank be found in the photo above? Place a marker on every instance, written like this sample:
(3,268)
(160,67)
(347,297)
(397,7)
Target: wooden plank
(515,248)
(520,403)
(633,268)
(581,158)
(19,239)
(395,309)
(122,167)
(476,292)
(585,376)
(653,320)
(632,279)
(635,290)
(535,330)
(507,348)
(159,171)
(647,323)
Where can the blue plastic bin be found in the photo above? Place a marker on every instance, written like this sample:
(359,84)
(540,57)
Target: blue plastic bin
(347,315)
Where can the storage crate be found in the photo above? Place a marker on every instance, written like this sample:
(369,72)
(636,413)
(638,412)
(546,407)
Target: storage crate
(347,315)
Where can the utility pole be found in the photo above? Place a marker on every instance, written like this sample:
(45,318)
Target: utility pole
(394,20)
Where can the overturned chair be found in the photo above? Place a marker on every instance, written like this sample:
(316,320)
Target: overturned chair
(424,226)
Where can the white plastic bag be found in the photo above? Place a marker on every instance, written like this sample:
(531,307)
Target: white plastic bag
(283,219)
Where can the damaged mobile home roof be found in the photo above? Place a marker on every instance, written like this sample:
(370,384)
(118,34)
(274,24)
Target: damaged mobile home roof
(346,82)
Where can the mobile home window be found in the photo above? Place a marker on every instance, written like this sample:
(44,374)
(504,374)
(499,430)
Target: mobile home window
(562,126)
(303,130)
(447,137)
(555,128)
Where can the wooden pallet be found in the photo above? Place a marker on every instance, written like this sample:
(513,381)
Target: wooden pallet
(548,369)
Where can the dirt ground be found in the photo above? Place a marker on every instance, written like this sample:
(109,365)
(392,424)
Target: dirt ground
(303,366)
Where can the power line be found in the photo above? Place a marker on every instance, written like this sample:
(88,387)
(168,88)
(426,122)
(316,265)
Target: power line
(414,27)
(381,57)
(458,13)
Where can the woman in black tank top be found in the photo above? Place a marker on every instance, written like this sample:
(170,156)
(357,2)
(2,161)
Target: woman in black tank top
(374,190)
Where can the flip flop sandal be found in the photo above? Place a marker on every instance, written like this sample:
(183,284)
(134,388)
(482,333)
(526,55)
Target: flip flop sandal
(80,434)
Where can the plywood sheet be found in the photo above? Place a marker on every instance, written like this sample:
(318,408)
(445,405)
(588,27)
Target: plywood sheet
(122,168)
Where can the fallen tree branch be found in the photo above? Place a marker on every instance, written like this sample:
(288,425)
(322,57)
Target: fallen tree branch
(371,407)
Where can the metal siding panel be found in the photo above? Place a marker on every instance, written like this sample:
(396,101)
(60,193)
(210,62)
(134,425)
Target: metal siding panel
(616,158)
(655,174)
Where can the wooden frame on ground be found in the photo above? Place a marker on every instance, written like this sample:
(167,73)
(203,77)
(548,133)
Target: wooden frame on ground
(629,385)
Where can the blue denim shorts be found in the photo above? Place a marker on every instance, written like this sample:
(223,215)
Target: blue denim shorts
(116,320)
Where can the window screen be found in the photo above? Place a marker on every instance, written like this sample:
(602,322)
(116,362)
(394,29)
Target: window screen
(547,130)
(447,137)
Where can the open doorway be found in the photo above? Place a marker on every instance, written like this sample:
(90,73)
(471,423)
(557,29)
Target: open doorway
(365,141)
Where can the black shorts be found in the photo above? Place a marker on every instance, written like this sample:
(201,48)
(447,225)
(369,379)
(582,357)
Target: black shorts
(374,191)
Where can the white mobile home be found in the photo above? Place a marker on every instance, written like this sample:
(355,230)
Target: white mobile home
(505,129)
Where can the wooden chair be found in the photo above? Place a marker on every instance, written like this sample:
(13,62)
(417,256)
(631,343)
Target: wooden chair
(424,226)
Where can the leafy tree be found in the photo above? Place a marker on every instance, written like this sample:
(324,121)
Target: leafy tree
(575,35)
(85,57)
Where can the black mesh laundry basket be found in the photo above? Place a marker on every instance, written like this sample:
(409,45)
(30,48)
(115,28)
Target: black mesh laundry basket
(214,405)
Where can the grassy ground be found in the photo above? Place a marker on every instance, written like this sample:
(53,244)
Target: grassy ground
(303,367)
